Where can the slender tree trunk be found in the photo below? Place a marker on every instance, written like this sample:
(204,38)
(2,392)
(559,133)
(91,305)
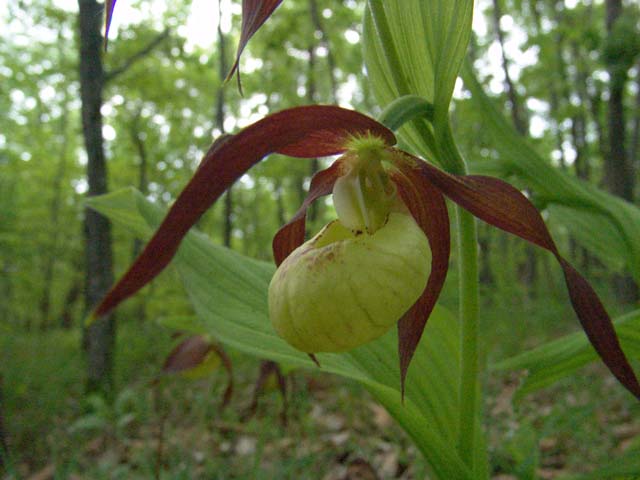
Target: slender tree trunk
(581,163)
(324,42)
(314,208)
(517,114)
(54,215)
(579,119)
(72,296)
(99,338)
(280,211)
(528,268)
(312,89)
(137,138)
(616,167)
(553,79)
(595,106)
(618,172)
(220,113)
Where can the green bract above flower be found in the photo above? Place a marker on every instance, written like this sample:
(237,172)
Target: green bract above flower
(375,185)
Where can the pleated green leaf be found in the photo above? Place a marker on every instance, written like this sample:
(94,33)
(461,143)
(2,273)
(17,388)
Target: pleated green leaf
(553,187)
(417,47)
(563,357)
(229,294)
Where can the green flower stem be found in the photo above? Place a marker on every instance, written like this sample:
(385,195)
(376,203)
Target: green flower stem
(469,314)
(469,306)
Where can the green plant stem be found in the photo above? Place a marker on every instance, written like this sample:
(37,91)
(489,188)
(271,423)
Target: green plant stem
(469,314)
(469,306)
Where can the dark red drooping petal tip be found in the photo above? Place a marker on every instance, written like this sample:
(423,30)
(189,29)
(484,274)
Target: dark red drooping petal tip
(254,14)
(428,208)
(501,205)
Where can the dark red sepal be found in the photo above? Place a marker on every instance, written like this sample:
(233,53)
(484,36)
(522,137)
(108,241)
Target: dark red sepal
(191,352)
(291,235)
(428,208)
(503,206)
(254,14)
(306,132)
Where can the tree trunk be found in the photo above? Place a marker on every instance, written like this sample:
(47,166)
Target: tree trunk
(73,294)
(137,138)
(528,269)
(280,211)
(553,79)
(220,108)
(581,163)
(515,108)
(618,173)
(54,215)
(99,338)
(314,208)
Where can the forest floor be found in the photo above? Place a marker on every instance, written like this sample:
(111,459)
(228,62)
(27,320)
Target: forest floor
(334,430)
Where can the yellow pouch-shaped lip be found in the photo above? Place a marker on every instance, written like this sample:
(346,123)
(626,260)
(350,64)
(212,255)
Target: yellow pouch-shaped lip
(343,289)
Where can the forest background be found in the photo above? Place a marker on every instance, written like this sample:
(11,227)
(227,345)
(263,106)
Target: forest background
(566,74)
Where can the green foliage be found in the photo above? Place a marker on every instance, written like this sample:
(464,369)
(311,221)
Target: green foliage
(559,358)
